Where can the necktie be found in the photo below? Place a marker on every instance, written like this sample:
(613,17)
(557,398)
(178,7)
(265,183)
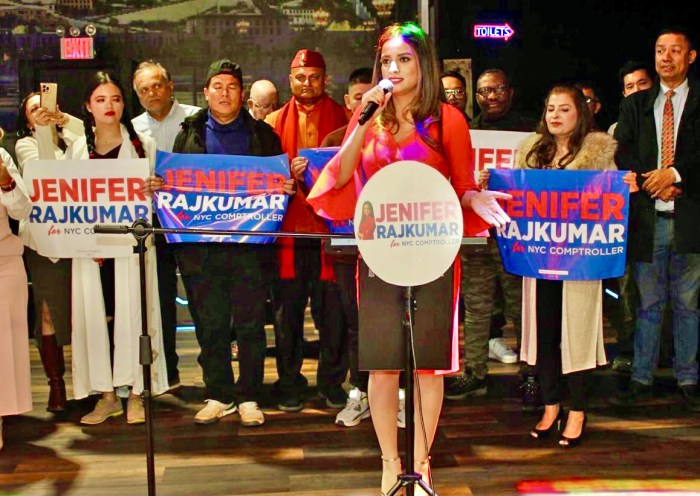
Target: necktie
(667,140)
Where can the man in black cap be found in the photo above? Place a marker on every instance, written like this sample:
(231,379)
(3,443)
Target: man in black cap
(226,282)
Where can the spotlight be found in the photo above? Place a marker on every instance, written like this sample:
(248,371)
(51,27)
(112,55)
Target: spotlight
(74,31)
(60,31)
(90,30)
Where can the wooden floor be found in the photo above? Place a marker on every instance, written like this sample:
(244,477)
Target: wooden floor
(482,446)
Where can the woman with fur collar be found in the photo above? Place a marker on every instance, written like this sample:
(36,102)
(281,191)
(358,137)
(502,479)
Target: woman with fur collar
(109,134)
(563,321)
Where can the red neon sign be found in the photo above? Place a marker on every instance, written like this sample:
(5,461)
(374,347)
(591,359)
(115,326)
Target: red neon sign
(77,48)
(493,31)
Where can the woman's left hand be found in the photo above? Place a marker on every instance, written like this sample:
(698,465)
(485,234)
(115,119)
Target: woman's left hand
(630,179)
(484,176)
(484,203)
(152,184)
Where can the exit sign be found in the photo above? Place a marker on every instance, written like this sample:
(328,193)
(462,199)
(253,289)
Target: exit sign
(77,48)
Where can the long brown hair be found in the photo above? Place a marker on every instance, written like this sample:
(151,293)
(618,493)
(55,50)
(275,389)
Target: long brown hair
(425,106)
(542,154)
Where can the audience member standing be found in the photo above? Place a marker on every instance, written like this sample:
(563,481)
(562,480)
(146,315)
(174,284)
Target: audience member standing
(50,277)
(262,98)
(622,312)
(657,132)
(226,282)
(161,121)
(109,287)
(455,90)
(563,320)
(304,122)
(487,289)
(16,384)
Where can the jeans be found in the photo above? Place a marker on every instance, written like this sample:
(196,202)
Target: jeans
(669,274)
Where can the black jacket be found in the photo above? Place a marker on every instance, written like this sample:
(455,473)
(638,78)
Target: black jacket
(264,142)
(638,151)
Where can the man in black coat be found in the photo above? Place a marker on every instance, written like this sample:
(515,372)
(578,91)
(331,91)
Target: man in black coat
(227,282)
(659,137)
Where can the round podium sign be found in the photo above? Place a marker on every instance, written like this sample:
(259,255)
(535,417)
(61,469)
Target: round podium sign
(408,224)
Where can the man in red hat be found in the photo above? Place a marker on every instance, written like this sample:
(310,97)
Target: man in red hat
(303,123)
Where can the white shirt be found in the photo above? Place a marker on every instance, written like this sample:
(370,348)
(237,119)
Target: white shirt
(165,131)
(678,100)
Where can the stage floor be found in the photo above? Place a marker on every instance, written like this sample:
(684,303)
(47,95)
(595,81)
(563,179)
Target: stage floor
(482,447)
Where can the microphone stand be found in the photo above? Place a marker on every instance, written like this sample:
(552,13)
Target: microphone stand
(141,229)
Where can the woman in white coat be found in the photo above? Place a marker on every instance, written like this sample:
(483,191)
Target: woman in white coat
(15,379)
(563,321)
(41,137)
(109,134)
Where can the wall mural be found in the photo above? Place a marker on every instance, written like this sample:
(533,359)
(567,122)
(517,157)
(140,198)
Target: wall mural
(185,36)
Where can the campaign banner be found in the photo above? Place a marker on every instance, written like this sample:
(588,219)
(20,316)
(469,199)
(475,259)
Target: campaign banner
(221,192)
(566,225)
(70,196)
(408,223)
(318,158)
(495,149)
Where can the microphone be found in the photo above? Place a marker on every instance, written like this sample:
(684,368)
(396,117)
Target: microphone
(111,229)
(371,107)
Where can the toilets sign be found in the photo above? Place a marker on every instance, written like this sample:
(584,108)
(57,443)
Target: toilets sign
(493,31)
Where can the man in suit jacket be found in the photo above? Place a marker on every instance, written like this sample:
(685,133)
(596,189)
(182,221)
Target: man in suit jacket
(663,239)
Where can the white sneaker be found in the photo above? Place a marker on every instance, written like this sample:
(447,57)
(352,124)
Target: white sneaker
(251,414)
(213,411)
(401,417)
(356,409)
(499,350)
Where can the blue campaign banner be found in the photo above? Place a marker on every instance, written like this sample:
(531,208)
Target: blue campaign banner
(231,192)
(318,158)
(566,225)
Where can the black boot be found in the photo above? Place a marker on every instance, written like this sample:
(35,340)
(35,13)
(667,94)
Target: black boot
(54,367)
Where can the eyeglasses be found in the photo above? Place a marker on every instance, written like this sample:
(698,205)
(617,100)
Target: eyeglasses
(487,90)
(590,100)
(457,93)
(267,106)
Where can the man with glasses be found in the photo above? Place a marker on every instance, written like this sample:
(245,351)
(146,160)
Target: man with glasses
(263,99)
(487,289)
(455,90)
(592,100)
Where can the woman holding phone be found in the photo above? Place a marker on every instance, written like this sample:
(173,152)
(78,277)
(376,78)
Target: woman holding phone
(41,137)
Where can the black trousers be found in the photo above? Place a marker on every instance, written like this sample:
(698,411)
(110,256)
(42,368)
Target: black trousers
(167,290)
(549,314)
(289,334)
(345,274)
(226,286)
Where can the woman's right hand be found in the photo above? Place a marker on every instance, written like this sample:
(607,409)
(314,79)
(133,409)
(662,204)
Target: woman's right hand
(43,117)
(378,96)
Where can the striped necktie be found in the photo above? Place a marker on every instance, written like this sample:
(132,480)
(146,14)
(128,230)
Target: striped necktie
(667,139)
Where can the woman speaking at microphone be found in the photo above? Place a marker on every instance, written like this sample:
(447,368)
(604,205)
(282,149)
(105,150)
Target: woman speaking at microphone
(409,123)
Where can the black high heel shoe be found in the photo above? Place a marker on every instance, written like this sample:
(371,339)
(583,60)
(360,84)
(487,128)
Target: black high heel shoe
(542,434)
(572,442)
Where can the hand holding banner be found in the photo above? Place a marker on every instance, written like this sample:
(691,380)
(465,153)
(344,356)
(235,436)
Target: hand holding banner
(70,196)
(224,192)
(566,225)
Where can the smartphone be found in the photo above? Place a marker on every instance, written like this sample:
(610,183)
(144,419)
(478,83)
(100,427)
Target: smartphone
(48,96)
